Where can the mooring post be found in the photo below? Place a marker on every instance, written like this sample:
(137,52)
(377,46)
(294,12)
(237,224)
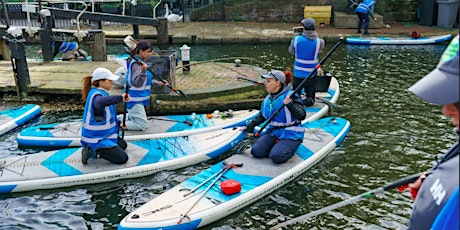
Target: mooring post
(162,32)
(18,61)
(46,35)
(98,47)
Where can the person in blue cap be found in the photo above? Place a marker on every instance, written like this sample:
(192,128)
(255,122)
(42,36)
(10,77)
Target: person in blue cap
(364,10)
(437,200)
(306,48)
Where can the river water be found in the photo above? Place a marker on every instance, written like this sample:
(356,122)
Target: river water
(393,134)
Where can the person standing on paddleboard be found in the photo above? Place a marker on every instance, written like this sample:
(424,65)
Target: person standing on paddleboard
(436,193)
(306,47)
(285,133)
(139,81)
(99,135)
(364,10)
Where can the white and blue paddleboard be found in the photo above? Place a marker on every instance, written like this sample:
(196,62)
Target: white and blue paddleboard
(382,40)
(59,135)
(63,168)
(68,134)
(258,178)
(14,117)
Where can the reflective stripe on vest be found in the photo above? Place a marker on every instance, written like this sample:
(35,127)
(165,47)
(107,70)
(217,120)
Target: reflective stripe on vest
(93,132)
(138,94)
(305,61)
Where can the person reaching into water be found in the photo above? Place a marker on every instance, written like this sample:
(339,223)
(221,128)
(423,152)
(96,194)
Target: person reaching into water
(436,193)
(364,10)
(100,125)
(285,133)
(70,50)
(140,81)
(306,48)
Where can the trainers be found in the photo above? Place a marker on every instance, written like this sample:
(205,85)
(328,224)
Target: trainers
(366,33)
(359,31)
(86,153)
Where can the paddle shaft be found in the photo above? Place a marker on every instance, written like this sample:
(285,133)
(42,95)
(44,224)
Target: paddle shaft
(154,75)
(206,181)
(299,88)
(227,167)
(125,110)
(392,185)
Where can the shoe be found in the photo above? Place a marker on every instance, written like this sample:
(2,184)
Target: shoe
(86,153)
(366,33)
(359,31)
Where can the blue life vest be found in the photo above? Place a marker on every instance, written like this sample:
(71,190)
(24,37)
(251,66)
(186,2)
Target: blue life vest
(364,7)
(138,94)
(306,55)
(288,126)
(99,134)
(67,46)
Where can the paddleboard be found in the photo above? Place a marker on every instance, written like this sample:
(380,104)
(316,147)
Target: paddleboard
(60,135)
(382,40)
(258,178)
(14,117)
(63,168)
(68,134)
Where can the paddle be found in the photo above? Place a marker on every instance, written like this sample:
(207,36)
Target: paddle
(154,75)
(220,174)
(322,100)
(212,176)
(299,88)
(392,185)
(125,110)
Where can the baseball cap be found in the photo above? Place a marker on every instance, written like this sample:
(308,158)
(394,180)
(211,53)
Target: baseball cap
(309,23)
(103,73)
(276,74)
(440,86)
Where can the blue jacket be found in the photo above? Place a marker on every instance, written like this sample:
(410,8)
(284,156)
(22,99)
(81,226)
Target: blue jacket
(138,94)
(283,125)
(99,134)
(365,7)
(306,55)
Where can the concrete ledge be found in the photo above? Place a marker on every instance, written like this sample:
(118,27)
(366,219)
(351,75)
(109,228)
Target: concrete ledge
(343,20)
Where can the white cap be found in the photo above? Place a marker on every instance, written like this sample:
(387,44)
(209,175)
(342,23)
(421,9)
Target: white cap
(103,73)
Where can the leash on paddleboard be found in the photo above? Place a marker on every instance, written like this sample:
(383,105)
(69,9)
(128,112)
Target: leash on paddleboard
(219,175)
(155,75)
(392,185)
(299,88)
(189,123)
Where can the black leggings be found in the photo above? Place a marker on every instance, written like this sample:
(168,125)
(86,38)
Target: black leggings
(115,154)
(309,88)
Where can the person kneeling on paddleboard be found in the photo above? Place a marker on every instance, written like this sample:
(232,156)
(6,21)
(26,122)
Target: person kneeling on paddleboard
(100,125)
(285,133)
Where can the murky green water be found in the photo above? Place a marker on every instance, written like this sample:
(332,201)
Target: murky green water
(393,135)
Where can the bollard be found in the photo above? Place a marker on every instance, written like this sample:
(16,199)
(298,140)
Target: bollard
(46,32)
(185,56)
(237,62)
(18,61)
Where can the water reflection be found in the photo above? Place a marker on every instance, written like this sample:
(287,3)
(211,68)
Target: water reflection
(393,134)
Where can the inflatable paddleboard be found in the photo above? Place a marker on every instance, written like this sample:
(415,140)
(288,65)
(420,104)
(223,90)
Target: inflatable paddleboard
(17,116)
(197,202)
